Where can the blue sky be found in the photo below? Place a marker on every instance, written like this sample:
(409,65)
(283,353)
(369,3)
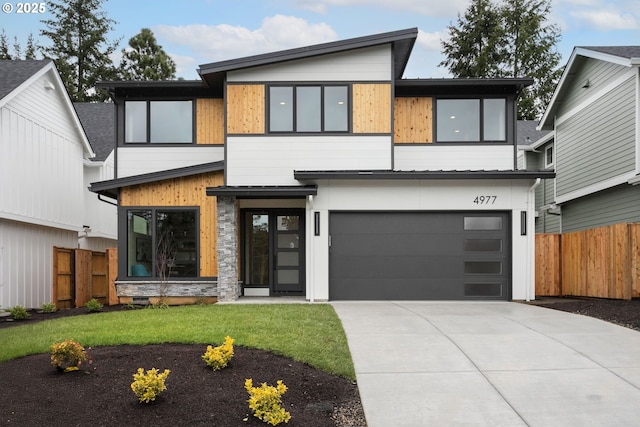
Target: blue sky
(196,32)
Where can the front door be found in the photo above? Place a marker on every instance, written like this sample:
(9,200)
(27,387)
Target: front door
(273,252)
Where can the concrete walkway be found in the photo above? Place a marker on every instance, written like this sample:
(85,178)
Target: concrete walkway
(490,364)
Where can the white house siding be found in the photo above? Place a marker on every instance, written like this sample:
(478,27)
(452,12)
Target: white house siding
(428,195)
(453,157)
(606,125)
(26,262)
(140,160)
(369,64)
(41,161)
(268,160)
(100,216)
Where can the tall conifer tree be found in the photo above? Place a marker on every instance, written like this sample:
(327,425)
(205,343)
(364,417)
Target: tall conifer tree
(146,60)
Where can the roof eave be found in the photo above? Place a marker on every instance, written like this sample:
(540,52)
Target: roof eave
(421,175)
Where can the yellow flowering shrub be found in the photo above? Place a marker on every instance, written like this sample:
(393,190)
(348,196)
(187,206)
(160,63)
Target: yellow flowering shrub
(148,386)
(219,357)
(67,355)
(265,402)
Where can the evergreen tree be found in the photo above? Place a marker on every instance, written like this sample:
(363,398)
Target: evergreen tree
(79,46)
(474,48)
(146,60)
(510,39)
(4,46)
(31,49)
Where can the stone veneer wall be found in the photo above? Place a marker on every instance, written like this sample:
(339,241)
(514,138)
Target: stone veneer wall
(152,288)
(228,285)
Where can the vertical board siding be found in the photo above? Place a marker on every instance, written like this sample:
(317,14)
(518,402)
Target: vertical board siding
(413,120)
(209,121)
(187,191)
(548,265)
(371,108)
(606,126)
(246,109)
(27,262)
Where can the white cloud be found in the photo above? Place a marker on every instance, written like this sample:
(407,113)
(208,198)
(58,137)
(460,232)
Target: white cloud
(211,43)
(606,20)
(431,41)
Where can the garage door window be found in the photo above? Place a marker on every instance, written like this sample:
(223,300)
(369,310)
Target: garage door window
(483,245)
(482,223)
(482,267)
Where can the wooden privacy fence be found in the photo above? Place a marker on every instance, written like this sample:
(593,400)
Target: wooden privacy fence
(601,262)
(80,275)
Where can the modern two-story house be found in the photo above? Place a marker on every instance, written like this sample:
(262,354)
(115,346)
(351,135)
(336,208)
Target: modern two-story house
(593,143)
(320,172)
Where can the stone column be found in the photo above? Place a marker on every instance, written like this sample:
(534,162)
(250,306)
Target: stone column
(228,286)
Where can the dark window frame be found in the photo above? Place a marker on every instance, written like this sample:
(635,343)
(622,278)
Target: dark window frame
(123,244)
(322,130)
(481,129)
(148,141)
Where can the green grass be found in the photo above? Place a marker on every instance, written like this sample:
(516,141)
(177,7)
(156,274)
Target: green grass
(310,333)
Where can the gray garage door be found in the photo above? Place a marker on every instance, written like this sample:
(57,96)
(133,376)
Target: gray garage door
(419,256)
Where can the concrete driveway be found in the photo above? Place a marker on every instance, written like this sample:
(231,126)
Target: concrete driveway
(490,364)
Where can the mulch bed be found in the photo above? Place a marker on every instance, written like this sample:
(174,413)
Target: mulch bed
(33,392)
(621,312)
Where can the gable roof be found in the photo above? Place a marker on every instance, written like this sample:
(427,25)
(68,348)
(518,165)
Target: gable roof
(15,72)
(97,119)
(628,56)
(402,41)
(528,133)
(16,75)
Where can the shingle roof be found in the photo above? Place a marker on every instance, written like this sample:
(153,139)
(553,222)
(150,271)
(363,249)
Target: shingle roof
(97,119)
(527,133)
(621,51)
(15,72)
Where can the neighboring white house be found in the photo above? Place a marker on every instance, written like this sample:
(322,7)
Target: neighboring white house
(44,169)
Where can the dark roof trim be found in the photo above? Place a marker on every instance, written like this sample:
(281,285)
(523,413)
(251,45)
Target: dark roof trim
(394,175)
(109,188)
(407,36)
(128,84)
(252,192)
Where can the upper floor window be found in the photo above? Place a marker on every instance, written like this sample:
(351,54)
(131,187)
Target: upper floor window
(309,109)
(471,120)
(548,156)
(158,122)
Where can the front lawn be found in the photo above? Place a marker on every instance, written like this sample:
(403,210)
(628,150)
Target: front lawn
(309,333)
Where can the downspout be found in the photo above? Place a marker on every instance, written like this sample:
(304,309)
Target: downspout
(531,242)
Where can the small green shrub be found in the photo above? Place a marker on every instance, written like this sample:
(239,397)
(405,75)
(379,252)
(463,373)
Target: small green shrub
(265,402)
(67,355)
(48,307)
(18,312)
(93,305)
(219,357)
(148,386)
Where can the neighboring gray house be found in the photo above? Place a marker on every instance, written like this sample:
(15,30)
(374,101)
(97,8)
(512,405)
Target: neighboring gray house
(594,143)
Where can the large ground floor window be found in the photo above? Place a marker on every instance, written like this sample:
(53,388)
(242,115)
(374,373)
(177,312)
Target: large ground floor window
(162,242)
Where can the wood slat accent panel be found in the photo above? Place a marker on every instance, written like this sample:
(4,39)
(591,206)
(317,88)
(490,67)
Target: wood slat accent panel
(548,265)
(372,108)
(209,121)
(246,109)
(413,120)
(634,230)
(187,191)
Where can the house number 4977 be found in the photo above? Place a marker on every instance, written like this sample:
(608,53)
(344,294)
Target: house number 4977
(485,200)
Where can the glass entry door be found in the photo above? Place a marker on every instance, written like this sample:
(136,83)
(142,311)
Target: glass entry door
(274,250)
